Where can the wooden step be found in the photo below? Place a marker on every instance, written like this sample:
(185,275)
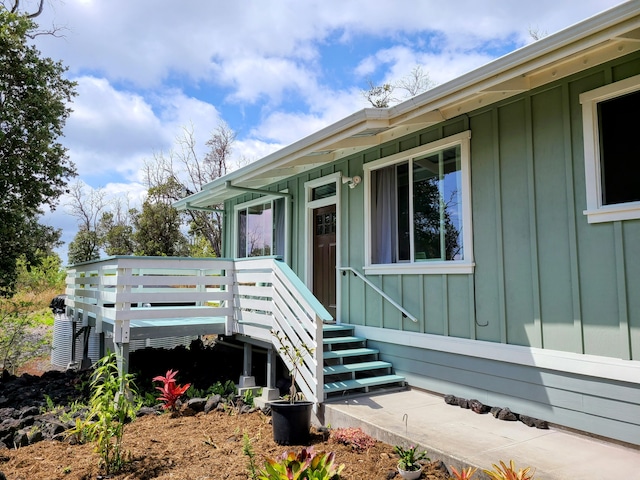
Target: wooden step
(350,352)
(365,383)
(338,340)
(331,331)
(355,367)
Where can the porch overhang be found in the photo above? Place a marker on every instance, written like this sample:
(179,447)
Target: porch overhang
(604,37)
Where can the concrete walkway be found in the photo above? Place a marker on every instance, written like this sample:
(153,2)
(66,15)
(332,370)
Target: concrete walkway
(460,437)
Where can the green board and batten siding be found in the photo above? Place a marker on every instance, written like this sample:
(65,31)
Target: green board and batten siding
(544,277)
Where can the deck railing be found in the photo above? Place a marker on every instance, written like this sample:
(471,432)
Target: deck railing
(254,296)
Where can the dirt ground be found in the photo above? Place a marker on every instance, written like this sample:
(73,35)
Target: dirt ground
(200,447)
(192,448)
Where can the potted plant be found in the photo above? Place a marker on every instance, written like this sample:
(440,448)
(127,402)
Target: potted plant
(410,465)
(291,418)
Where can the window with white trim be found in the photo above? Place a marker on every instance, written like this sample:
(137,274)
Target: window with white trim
(612,155)
(420,209)
(260,228)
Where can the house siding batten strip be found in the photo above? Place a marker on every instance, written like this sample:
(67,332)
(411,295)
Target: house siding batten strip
(572,218)
(533,226)
(502,307)
(623,311)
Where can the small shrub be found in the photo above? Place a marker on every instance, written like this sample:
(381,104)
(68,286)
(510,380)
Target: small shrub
(171,391)
(248,398)
(464,473)
(111,406)
(247,449)
(223,389)
(306,465)
(17,343)
(508,472)
(410,458)
(353,437)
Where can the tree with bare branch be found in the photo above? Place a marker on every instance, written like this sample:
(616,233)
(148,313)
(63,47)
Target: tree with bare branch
(415,83)
(181,172)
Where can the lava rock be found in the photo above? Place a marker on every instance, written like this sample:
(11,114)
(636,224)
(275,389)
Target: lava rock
(197,404)
(533,422)
(508,415)
(495,411)
(477,406)
(451,400)
(142,411)
(212,403)
(463,403)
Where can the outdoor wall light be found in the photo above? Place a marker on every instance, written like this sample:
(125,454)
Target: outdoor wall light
(352,181)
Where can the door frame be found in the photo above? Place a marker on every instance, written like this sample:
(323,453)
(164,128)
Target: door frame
(310,206)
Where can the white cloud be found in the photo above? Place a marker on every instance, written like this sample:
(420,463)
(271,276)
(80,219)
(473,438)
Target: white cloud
(148,68)
(113,131)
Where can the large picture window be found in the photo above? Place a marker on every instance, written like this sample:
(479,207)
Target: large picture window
(612,157)
(419,215)
(261,229)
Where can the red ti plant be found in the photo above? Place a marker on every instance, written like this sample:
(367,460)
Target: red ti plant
(171,391)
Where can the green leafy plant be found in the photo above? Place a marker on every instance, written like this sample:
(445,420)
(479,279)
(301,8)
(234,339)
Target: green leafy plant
(410,458)
(193,392)
(295,355)
(223,389)
(247,449)
(508,472)
(17,343)
(464,473)
(306,465)
(171,391)
(49,406)
(353,437)
(111,406)
(247,398)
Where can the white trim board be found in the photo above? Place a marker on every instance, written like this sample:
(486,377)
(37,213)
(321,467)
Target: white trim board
(575,363)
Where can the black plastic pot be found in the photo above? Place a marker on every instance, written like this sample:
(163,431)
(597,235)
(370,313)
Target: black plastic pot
(291,422)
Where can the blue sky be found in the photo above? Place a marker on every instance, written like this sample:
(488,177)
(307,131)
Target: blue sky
(274,71)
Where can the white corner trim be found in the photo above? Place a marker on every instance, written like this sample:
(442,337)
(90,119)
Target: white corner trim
(575,363)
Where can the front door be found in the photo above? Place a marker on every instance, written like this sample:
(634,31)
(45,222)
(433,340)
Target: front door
(324,257)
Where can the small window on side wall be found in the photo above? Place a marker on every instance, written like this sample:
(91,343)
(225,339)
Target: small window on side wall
(612,154)
(260,228)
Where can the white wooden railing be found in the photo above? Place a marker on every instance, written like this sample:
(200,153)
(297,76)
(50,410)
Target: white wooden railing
(119,290)
(254,296)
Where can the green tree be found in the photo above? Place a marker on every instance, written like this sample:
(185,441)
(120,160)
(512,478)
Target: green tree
(34,99)
(116,234)
(157,230)
(84,247)
(47,274)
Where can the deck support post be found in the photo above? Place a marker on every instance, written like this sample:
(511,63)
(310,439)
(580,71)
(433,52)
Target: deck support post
(270,392)
(122,357)
(247,380)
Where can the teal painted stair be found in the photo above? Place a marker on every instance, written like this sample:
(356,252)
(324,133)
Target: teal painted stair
(351,368)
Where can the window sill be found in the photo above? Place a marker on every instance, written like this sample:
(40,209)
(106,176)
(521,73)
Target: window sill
(426,268)
(613,213)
